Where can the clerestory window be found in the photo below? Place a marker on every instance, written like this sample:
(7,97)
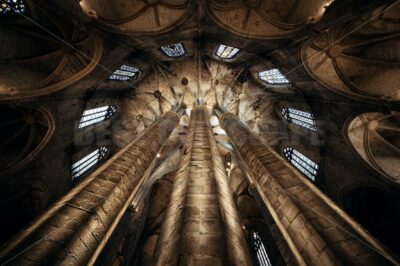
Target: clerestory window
(125,73)
(88,162)
(273,76)
(298,117)
(302,163)
(173,50)
(96,115)
(226,52)
(261,252)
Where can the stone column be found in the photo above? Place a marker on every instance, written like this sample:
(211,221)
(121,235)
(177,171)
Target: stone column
(235,239)
(76,228)
(317,231)
(167,250)
(202,225)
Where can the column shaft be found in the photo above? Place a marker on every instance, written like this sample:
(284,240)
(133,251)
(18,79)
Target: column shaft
(167,251)
(235,239)
(202,225)
(317,231)
(76,228)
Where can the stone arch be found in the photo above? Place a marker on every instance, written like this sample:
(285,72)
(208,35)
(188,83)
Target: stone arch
(134,17)
(268,19)
(43,55)
(360,59)
(29,129)
(375,137)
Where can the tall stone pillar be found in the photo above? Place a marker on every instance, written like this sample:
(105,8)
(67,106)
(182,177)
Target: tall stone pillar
(202,225)
(76,228)
(317,231)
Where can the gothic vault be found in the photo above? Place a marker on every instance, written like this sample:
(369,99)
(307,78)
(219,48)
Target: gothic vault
(182,132)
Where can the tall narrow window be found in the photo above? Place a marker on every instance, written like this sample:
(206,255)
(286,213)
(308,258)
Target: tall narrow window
(273,76)
(125,73)
(11,7)
(301,162)
(88,162)
(173,50)
(95,115)
(300,118)
(226,52)
(259,248)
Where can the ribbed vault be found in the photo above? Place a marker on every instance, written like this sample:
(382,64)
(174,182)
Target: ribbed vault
(206,127)
(44,55)
(267,19)
(360,59)
(136,16)
(24,134)
(375,137)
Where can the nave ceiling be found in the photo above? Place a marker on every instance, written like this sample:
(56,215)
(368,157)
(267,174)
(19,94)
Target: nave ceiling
(343,67)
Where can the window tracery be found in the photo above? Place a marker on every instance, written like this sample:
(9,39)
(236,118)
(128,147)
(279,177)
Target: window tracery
(125,73)
(259,248)
(298,117)
(12,7)
(95,115)
(301,162)
(226,52)
(87,162)
(273,76)
(173,50)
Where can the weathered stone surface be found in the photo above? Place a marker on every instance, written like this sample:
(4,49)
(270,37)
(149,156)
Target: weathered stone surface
(207,229)
(79,221)
(305,215)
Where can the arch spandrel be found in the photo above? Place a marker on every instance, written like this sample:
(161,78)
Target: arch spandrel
(138,17)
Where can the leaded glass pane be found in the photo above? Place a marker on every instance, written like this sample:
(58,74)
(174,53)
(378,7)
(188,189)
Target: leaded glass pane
(125,73)
(273,76)
(301,162)
(262,256)
(300,118)
(173,50)
(87,162)
(226,52)
(95,115)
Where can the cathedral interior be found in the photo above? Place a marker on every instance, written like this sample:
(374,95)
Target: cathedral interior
(208,132)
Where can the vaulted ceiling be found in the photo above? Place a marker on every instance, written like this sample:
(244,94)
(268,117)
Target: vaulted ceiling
(341,57)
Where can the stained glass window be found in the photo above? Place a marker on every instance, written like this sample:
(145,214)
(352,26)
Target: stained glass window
(226,52)
(173,50)
(125,73)
(301,162)
(273,76)
(12,7)
(87,162)
(95,115)
(259,248)
(298,117)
